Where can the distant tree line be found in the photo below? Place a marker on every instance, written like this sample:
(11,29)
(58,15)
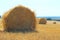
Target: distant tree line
(49,19)
(52,19)
(0,16)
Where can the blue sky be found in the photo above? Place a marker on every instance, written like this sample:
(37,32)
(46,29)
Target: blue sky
(40,7)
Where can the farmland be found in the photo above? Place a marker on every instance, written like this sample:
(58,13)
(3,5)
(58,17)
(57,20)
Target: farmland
(47,31)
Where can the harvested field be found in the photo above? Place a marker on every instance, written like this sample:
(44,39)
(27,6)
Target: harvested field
(47,31)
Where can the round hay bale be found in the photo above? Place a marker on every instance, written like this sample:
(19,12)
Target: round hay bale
(42,21)
(19,18)
(54,22)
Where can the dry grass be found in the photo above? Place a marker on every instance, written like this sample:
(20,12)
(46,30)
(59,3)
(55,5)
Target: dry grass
(47,31)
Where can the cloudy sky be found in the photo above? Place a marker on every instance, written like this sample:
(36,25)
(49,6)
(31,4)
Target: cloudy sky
(40,7)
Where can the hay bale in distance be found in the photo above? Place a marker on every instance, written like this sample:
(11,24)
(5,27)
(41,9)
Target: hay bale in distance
(19,18)
(54,22)
(42,21)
